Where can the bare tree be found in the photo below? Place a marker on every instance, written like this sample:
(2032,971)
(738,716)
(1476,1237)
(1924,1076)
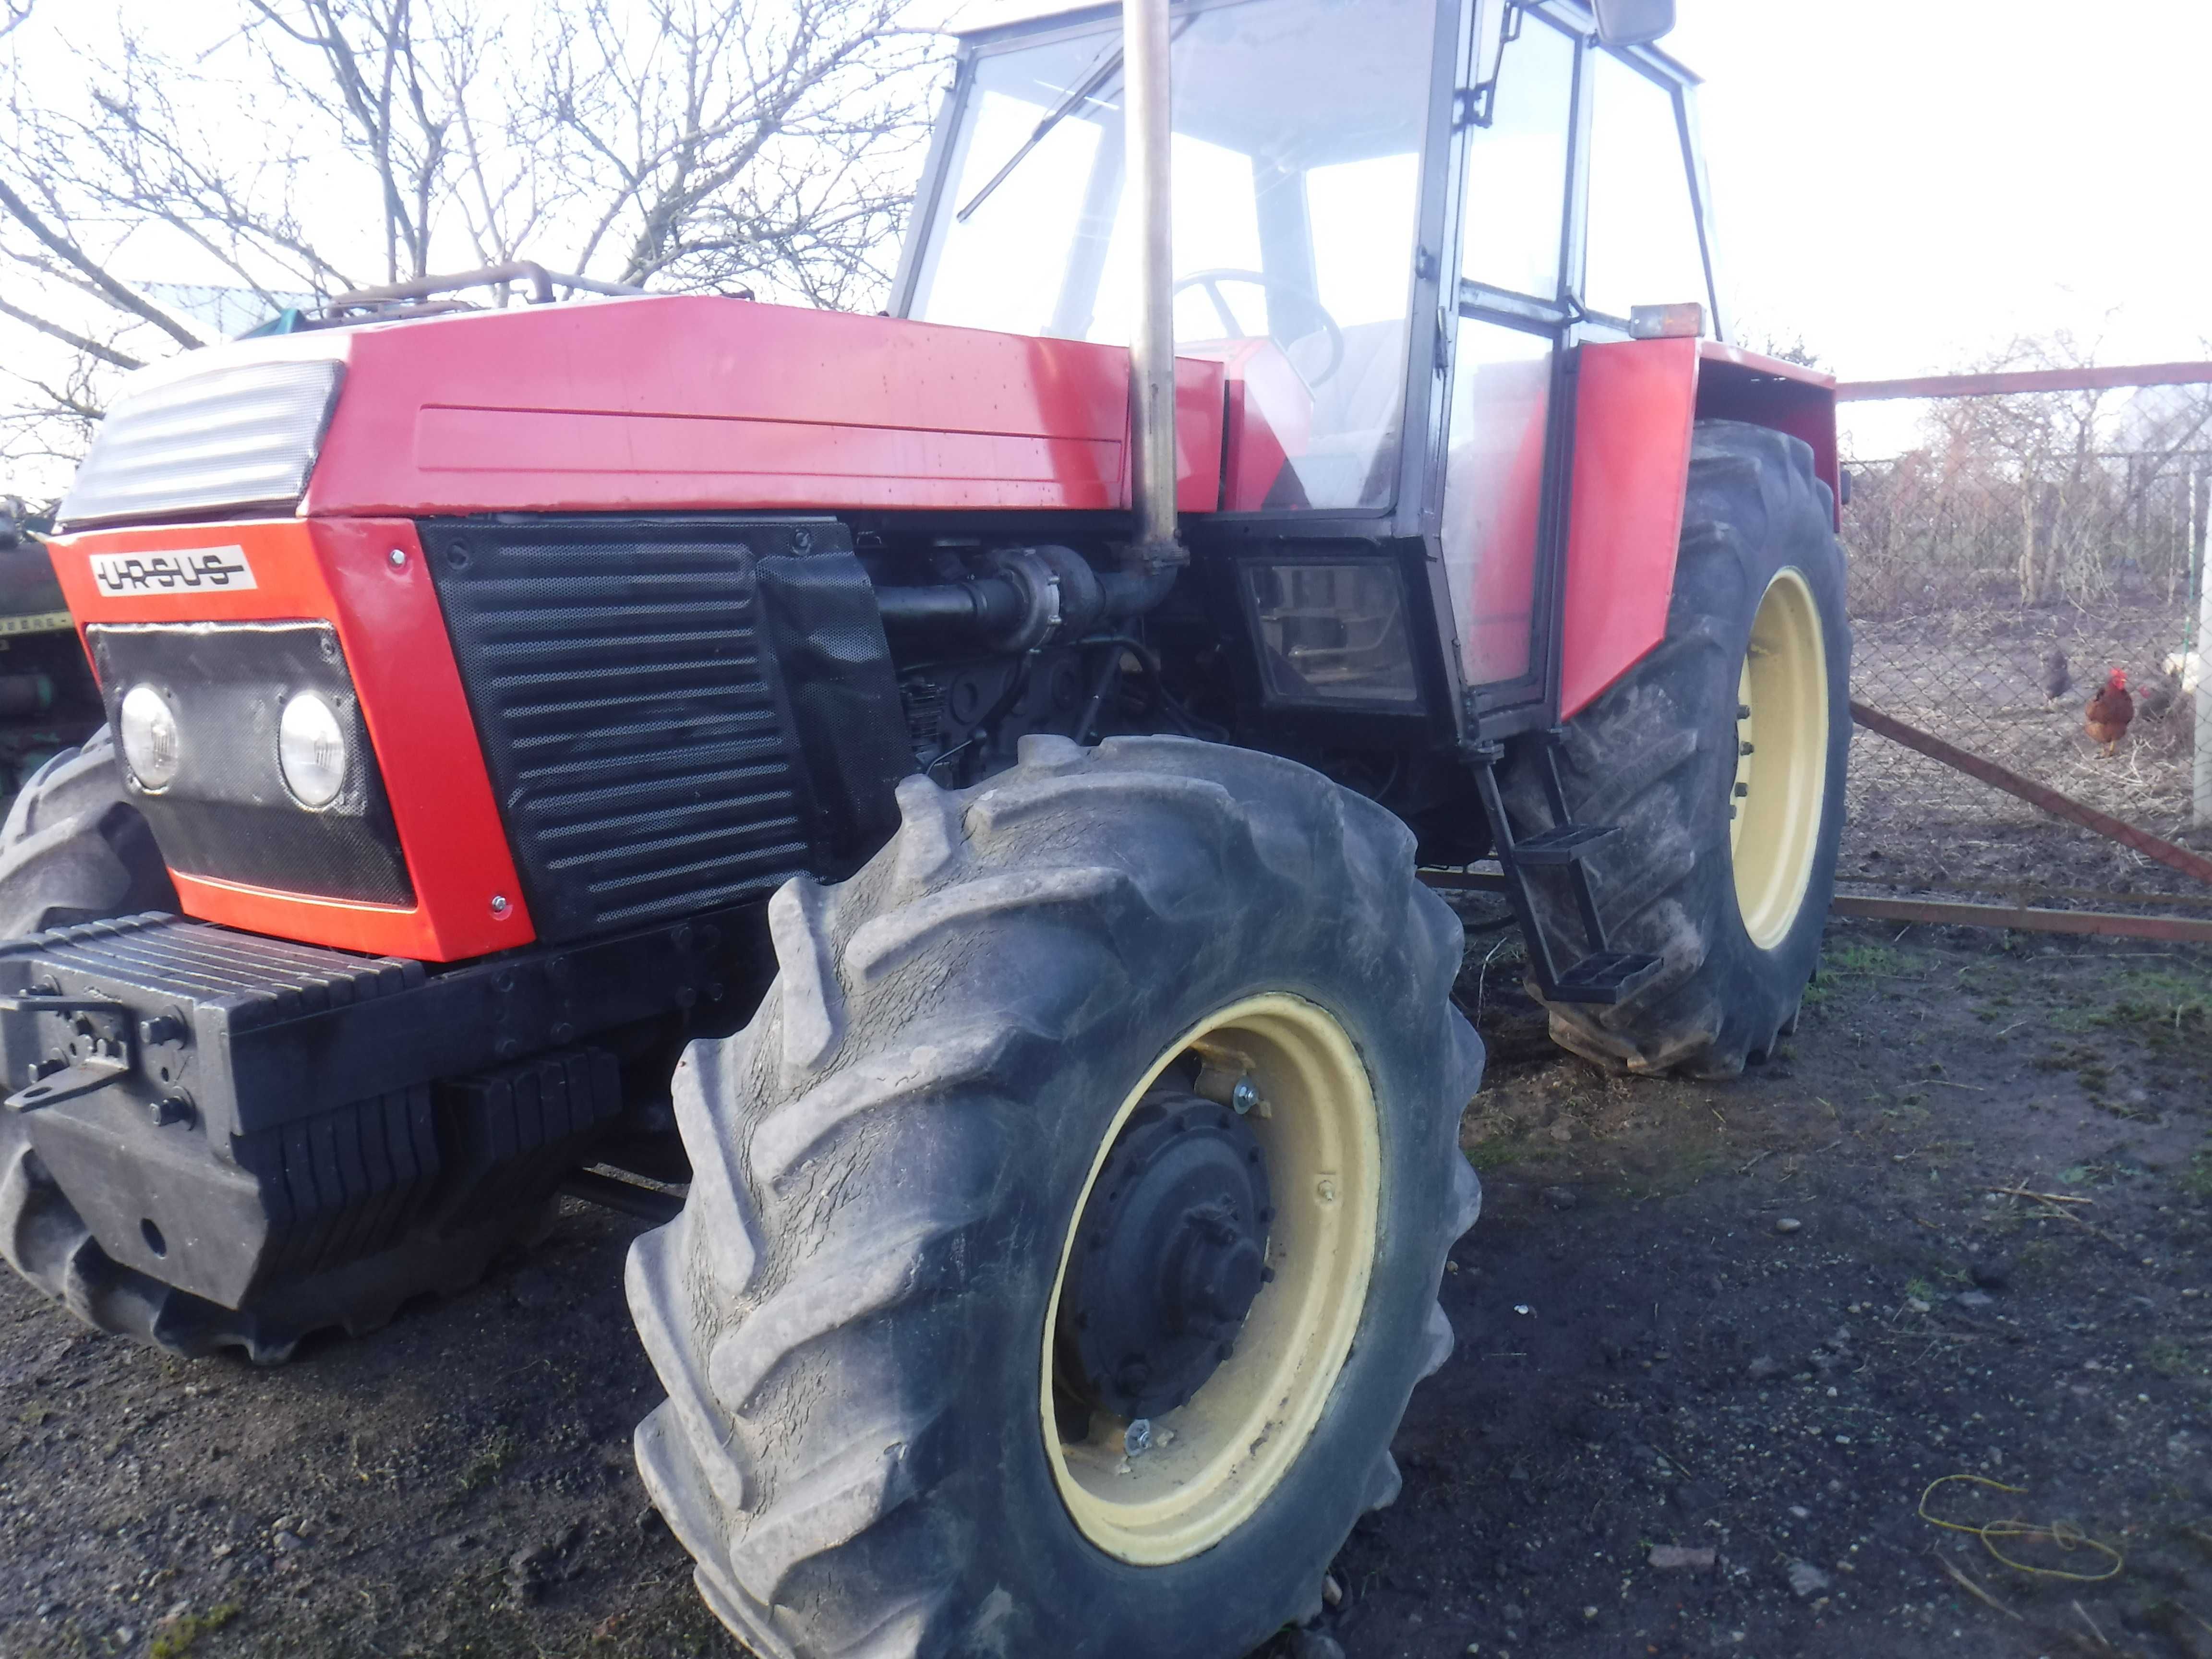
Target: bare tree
(2042,497)
(689,144)
(720,146)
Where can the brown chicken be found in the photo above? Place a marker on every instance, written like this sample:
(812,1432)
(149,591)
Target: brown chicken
(2110,710)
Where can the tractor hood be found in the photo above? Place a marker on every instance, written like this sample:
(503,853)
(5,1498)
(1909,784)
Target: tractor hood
(657,404)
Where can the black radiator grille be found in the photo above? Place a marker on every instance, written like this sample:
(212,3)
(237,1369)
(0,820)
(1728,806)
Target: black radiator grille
(632,718)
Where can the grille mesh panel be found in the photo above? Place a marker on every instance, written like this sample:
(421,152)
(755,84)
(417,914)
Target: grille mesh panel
(631,716)
(241,435)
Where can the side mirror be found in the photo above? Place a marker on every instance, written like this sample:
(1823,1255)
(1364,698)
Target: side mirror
(1633,22)
(12,533)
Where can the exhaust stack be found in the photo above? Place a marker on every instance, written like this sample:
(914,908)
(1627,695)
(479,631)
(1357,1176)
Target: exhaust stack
(1145,43)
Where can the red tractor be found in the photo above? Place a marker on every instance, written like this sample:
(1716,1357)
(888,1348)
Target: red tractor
(928,806)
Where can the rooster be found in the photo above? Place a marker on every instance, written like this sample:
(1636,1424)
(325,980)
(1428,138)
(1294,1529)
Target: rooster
(2110,711)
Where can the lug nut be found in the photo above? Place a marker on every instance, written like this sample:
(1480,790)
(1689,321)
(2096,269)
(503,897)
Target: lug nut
(499,904)
(1138,1439)
(1243,1096)
(398,559)
(171,1110)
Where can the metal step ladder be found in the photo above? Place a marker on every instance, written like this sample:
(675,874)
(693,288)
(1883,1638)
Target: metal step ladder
(1602,975)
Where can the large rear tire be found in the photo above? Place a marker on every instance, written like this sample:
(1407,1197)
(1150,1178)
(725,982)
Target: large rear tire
(877,1440)
(73,850)
(1721,756)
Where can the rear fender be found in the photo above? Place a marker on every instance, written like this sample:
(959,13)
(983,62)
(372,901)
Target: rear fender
(1636,403)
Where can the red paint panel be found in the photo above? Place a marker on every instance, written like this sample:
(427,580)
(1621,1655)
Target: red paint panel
(394,638)
(1269,418)
(1634,407)
(701,402)
(1742,385)
(1202,410)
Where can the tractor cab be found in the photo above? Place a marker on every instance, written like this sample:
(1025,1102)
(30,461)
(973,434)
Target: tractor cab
(1392,221)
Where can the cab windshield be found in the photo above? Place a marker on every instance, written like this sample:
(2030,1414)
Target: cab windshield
(1297,166)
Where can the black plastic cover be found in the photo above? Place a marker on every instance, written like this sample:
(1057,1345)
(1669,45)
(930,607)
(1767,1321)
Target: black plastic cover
(826,633)
(227,814)
(677,713)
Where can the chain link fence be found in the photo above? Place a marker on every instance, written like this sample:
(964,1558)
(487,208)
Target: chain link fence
(1990,599)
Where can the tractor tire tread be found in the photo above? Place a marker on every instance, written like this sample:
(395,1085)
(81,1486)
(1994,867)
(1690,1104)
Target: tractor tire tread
(805,1475)
(1645,756)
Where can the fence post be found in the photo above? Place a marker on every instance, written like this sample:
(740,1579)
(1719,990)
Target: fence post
(2193,650)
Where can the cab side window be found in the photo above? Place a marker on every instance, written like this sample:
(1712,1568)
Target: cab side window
(1644,243)
(1517,166)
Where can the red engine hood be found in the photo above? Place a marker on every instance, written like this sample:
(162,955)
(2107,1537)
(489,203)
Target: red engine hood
(706,403)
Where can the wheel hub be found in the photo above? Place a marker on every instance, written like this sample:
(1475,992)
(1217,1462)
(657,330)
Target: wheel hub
(1781,748)
(1169,1255)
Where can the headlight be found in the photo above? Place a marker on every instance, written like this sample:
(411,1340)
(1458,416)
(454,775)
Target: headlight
(153,748)
(311,748)
(244,435)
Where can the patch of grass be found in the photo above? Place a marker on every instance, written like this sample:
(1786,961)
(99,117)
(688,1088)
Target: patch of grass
(2161,1008)
(1497,1152)
(2170,1358)
(1868,960)
(2197,1179)
(1855,964)
(491,1461)
(1920,1290)
(179,1638)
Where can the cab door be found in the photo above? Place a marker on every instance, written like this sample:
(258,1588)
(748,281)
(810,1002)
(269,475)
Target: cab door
(1580,201)
(1519,144)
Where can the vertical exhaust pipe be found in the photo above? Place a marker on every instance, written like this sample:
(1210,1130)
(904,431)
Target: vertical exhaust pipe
(1151,356)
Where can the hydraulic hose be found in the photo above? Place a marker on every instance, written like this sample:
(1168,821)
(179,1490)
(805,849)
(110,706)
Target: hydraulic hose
(1006,611)
(978,609)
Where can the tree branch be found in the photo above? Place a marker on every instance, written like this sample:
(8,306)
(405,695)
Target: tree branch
(118,295)
(69,337)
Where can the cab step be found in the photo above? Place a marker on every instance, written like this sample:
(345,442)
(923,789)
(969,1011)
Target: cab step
(1561,845)
(1607,977)
(1601,975)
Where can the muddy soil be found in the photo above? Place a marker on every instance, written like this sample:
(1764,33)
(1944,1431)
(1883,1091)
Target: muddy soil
(1737,1327)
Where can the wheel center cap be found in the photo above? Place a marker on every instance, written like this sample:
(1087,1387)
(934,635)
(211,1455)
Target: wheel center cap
(1169,1256)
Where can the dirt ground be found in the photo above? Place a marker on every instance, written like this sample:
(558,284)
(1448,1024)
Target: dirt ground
(1741,1327)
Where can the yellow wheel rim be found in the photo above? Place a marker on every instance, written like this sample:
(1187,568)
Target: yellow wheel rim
(1782,759)
(1214,1460)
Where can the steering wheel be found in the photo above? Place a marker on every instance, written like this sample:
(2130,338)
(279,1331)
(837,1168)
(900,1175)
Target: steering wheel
(1211,281)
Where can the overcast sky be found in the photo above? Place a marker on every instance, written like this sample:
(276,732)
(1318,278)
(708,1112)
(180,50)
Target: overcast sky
(1914,183)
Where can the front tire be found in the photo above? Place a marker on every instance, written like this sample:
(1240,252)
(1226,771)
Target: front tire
(1721,756)
(868,1443)
(75,850)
